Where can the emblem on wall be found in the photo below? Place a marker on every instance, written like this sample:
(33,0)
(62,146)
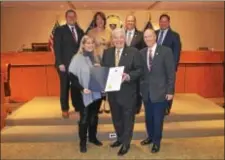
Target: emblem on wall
(114,21)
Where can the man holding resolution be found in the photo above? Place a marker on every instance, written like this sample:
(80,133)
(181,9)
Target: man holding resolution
(123,103)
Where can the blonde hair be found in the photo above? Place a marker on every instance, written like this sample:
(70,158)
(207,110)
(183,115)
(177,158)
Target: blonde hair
(84,39)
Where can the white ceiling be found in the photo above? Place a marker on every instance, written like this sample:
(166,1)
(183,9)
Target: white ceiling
(125,5)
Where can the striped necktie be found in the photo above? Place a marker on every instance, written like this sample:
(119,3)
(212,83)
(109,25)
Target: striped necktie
(160,40)
(117,57)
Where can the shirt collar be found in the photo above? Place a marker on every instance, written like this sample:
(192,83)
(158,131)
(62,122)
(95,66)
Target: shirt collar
(132,31)
(153,48)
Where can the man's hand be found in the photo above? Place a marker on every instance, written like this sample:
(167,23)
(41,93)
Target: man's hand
(169,97)
(97,65)
(125,77)
(86,91)
(62,68)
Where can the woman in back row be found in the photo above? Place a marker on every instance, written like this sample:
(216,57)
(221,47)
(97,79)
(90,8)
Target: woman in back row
(102,37)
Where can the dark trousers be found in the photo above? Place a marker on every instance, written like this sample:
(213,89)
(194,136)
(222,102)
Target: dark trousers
(139,99)
(154,117)
(123,117)
(170,103)
(65,86)
(89,121)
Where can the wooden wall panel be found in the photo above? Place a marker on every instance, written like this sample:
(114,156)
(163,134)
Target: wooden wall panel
(52,81)
(28,82)
(213,81)
(180,79)
(194,78)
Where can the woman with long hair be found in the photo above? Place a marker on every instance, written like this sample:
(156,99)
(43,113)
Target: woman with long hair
(79,71)
(102,37)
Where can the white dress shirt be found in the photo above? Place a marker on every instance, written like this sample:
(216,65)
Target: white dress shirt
(153,49)
(75,31)
(164,34)
(131,33)
(121,51)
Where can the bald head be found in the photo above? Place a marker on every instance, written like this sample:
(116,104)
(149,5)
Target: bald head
(130,22)
(149,37)
(118,37)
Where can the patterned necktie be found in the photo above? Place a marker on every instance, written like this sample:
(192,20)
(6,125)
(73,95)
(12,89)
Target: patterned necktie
(149,59)
(160,40)
(117,57)
(74,35)
(129,39)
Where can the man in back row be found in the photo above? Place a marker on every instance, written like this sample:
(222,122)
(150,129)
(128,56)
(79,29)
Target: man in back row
(169,38)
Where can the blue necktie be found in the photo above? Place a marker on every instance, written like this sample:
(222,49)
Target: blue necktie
(160,40)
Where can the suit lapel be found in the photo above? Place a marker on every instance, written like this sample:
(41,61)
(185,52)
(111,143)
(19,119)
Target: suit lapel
(123,57)
(113,57)
(70,33)
(166,37)
(133,41)
(156,54)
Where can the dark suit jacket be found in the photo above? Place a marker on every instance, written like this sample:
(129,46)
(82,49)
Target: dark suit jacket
(137,40)
(131,59)
(172,40)
(64,45)
(160,81)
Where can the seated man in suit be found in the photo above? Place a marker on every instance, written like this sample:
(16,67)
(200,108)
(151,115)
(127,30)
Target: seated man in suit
(169,38)
(123,103)
(157,86)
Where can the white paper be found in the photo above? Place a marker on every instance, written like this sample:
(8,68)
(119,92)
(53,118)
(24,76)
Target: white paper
(114,79)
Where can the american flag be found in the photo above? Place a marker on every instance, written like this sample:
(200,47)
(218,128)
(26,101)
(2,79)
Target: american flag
(52,35)
(149,26)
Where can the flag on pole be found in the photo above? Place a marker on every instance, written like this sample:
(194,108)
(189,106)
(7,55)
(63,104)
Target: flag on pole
(149,23)
(90,26)
(52,35)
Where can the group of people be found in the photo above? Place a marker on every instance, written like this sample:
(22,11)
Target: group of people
(150,59)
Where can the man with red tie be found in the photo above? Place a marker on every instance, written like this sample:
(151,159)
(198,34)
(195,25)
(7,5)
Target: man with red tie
(66,43)
(157,86)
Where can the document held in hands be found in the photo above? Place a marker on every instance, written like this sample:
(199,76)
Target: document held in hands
(114,79)
(104,79)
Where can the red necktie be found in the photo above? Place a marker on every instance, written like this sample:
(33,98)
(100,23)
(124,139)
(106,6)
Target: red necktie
(150,59)
(74,35)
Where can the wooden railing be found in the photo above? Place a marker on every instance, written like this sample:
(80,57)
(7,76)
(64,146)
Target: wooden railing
(34,74)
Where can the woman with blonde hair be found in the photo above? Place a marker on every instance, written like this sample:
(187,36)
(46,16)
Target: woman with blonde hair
(102,38)
(79,70)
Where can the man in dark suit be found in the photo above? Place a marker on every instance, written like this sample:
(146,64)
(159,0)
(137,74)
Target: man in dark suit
(66,44)
(123,103)
(157,86)
(134,38)
(167,37)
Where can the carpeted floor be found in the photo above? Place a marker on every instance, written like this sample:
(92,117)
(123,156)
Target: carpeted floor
(192,148)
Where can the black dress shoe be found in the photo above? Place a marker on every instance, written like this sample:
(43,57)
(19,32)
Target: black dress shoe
(155,148)
(167,112)
(115,144)
(65,115)
(146,141)
(96,142)
(123,150)
(83,148)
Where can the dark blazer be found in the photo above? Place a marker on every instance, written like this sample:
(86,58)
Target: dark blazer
(161,80)
(137,40)
(131,59)
(64,45)
(172,40)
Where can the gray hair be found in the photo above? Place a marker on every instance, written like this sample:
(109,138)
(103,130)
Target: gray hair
(118,30)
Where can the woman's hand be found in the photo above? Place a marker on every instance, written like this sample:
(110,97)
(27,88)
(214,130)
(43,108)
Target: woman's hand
(86,91)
